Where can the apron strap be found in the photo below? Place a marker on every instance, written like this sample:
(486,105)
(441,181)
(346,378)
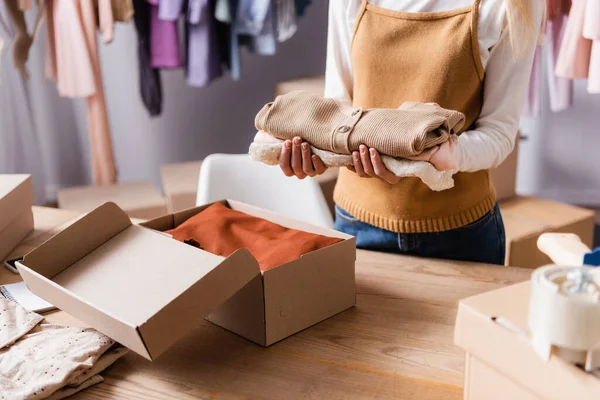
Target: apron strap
(475,38)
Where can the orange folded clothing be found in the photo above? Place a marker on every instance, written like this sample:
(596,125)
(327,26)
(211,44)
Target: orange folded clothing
(221,230)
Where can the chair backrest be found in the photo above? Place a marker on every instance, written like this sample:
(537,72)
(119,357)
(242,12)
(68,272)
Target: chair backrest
(237,177)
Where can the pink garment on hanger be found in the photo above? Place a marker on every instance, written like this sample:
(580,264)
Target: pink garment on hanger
(532,105)
(72,62)
(560,89)
(106,19)
(25,5)
(574,56)
(591,30)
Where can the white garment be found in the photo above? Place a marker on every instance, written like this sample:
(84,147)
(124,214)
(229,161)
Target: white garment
(41,361)
(506,76)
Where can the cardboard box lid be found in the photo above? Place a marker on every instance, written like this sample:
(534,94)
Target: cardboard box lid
(180,177)
(138,286)
(16,197)
(493,328)
(129,196)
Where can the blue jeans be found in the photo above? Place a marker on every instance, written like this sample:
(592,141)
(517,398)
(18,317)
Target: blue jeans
(481,241)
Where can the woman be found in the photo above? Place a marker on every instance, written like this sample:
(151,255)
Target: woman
(474,56)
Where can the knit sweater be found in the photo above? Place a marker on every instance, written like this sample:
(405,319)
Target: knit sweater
(336,126)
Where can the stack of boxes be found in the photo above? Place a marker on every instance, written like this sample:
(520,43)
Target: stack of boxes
(16,217)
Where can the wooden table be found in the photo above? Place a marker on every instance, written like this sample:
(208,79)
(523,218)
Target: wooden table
(397,343)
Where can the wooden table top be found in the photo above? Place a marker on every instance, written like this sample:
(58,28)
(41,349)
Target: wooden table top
(397,343)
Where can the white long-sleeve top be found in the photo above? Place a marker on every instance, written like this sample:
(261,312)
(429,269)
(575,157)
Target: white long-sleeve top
(506,76)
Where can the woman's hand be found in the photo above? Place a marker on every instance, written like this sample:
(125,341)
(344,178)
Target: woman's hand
(296,159)
(368,164)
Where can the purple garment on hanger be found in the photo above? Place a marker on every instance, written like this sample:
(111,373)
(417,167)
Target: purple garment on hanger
(169,10)
(203,52)
(164,40)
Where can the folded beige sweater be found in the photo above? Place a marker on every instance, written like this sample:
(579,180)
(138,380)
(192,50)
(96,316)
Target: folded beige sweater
(336,126)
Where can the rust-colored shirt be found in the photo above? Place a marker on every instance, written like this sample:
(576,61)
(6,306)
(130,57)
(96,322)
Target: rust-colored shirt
(221,230)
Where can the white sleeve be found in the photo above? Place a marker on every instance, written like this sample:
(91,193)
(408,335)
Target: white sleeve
(505,90)
(338,73)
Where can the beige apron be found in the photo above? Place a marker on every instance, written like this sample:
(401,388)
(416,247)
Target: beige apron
(426,57)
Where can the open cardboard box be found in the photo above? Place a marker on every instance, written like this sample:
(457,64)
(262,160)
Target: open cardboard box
(16,216)
(146,290)
(282,301)
(501,364)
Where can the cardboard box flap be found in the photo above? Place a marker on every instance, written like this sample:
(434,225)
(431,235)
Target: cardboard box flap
(134,284)
(16,197)
(81,238)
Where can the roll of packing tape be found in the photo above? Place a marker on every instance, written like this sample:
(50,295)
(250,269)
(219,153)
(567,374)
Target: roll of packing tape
(564,314)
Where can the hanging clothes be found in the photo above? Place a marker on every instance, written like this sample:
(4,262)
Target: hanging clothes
(591,30)
(203,53)
(560,89)
(25,5)
(150,82)
(202,46)
(223,11)
(301,6)
(20,147)
(122,10)
(286,19)
(574,56)
(164,39)
(73,63)
(22,41)
(106,20)
(250,29)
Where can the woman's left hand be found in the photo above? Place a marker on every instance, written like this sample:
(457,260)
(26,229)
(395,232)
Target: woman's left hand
(367,164)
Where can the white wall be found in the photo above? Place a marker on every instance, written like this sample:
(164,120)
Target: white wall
(561,158)
(199,121)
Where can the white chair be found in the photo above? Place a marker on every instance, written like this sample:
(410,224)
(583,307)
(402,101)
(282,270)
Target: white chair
(237,177)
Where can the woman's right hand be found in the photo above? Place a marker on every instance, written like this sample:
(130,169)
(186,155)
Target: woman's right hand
(296,159)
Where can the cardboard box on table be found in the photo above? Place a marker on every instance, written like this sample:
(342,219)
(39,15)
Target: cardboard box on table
(526,218)
(282,301)
(504,177)
(180,184)
(138,199)
(146,290)
(501,364)
(16,216)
